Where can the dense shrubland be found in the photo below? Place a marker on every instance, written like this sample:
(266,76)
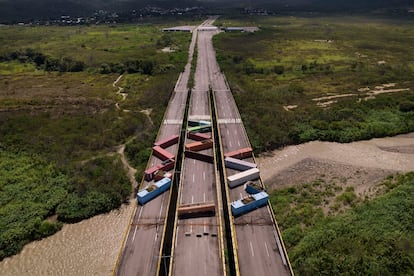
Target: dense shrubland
(373,237)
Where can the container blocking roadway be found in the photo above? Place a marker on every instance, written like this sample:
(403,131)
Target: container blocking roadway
(218,190)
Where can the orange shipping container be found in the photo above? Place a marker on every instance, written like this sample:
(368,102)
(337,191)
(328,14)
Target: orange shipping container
(199,145)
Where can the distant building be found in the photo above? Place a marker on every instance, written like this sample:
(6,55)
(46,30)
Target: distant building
(188,29)
(241,29)
(207,28)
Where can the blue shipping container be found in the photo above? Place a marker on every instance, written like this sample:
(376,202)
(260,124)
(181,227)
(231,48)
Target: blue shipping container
(153,191)
(253,187)
(248,204)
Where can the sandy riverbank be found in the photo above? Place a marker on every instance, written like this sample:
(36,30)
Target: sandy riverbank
(360,164)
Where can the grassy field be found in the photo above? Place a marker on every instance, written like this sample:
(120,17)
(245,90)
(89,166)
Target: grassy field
(59,124)
(332,78)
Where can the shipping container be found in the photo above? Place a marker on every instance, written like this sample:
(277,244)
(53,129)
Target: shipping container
(242,177)
(162,153)
(165,143)
(153,190)
(253,187)
(198,136)
(237,164)
(193,123)
(248,204)
(162,174)
(199,145)
(166,165)
(149,173)
(196,210)
(202,129)
(199,156)
(240,153)
(204,123)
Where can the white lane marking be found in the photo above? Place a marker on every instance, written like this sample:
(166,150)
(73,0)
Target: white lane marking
(193,178)
(191,227)
(176,237)
(135,232)
(235,132)
(238,142)
(204,175)
(159,216)
(204,197)
(251,249)
(139,214)
(194,161)
(192,199)
(228,132)
(230,143)
(267,249)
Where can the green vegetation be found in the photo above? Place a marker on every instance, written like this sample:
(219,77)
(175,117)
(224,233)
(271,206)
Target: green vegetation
(372,237)
(31,189)
(280,75)
(60,127)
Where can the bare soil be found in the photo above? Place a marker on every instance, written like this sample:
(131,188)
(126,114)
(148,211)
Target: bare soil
(362,165)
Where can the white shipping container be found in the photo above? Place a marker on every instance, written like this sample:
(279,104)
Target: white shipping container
(237,164)
(242,177)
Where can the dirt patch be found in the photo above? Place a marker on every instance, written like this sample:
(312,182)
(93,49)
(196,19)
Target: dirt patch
(332,97)
(129,169)
(361,165)
(382,91)
(325,104)
(147,113)
(289,107)
(363,180)
(167,50)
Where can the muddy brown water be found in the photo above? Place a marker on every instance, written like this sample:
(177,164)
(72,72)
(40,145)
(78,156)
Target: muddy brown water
(91,247)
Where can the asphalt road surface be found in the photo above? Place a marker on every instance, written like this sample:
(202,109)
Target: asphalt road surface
(197,244)
(256,235)
(142,249)
(198,240)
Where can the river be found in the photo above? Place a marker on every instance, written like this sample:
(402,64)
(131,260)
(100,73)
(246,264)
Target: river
(89,247)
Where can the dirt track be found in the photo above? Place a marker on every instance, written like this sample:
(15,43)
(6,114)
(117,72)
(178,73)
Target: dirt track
(360,164)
